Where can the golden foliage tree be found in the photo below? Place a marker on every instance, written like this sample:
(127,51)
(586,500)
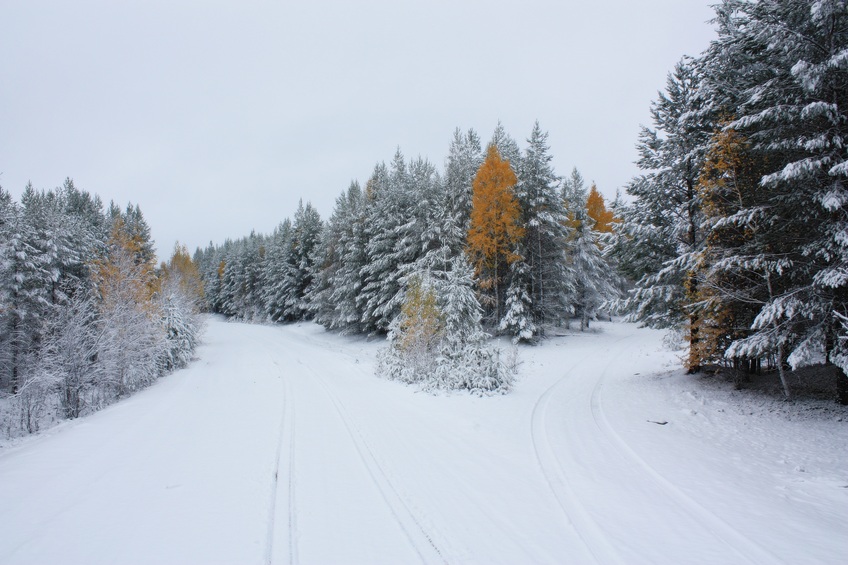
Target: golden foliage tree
(421,325)
(722,302)
(597,210)
(131,339)
(495,228)
(183,271)
(119,276)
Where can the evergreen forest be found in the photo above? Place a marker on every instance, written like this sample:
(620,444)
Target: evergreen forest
(734,233)
(87,317)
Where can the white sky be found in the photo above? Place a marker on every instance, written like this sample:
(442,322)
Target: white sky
(216,117)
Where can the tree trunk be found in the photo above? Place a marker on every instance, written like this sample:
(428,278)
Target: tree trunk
(541,306)
(841,378)
(15,346)
(841,386)
(782,371)
(694,365)
(497,301)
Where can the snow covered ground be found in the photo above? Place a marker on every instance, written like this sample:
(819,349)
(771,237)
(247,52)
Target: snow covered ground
(280,446)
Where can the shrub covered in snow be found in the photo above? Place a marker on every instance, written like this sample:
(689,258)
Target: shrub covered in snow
(438,341)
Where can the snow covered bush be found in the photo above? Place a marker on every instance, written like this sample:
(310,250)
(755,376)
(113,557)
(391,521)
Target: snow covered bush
(85,318)
(438,341)
(415,334)
(131,339)
(68,366)
(180,295)
(182,326)
(518,319)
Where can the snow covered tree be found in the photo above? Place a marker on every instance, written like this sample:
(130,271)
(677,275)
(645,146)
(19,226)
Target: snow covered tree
(337,305)
(208,261)
(17,294)
(131,342)
(395,229)
(466,361)
(464,159)
(68,362)
(518,316)
(507,147)
(81,321)
(594,281)
(414,334)
(742,262)
(42,247)
(780,69)
(437,339)
(242,279)
(663,225)
(279,273)
(547,281)
(136,228)
(180,293)
(306,232)
(389,204)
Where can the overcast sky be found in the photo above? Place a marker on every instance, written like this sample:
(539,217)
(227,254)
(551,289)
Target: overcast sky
(216,117)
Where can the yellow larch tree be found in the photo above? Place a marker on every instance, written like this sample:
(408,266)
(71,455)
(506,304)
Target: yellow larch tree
(184,272)
(131,338)
(597,210)
(495,226)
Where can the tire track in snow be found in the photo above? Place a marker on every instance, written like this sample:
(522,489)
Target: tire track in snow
(587,529)
(456,551)
(293,559)
(420,538)
(720,529)
(285,442)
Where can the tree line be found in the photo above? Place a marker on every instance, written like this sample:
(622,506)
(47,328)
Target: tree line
(524,241)
(736,231)
(86,315)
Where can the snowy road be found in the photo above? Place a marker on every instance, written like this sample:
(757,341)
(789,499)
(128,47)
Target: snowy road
(280,446)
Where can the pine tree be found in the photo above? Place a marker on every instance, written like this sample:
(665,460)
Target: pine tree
(180,295)
(664,221)
(388,205)
(13,253)
(138,230)
(348,280)
(594,281)
(507,147)
(306,232)
(395,230)
(737,271)
(464,158)
(465,360)
(518,316)
(547,282)
(279,273)
(779,68)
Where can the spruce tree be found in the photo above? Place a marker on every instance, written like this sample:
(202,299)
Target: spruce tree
(547,281)
(665,218)
(464,158)
(779,68)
